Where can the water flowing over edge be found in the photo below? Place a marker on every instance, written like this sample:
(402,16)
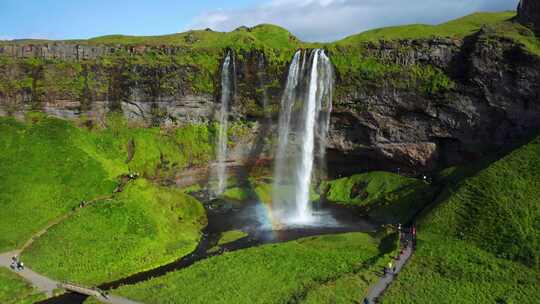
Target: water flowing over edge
(227,90)
(303,126)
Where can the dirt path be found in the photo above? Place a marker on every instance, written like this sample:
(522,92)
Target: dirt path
(42,283)
(57,221)
(377,290)
(46,285)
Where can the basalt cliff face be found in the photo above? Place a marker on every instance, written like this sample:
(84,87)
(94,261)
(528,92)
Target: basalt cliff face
(494,102)
(429,103)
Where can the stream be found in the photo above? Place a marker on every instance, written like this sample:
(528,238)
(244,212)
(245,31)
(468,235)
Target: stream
(225,216)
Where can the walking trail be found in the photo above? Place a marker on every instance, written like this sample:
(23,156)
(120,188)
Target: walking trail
(44,284)
(377,290)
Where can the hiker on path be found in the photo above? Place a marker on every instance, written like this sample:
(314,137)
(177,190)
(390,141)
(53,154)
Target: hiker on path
(390,267)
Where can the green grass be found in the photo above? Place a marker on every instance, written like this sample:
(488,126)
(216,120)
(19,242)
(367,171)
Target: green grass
(458,28)
(447,270)
(236,194)
(480,244)
(380,194)
(142,228)
(231,236)
(275,273)
(49,165)
(45,173)
(14,290)
(497,209)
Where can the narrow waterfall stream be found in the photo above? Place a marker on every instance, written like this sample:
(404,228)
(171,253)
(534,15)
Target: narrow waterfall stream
(303,127)
(227,91)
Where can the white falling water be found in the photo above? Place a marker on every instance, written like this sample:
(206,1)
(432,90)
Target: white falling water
(227,84)
(303,127)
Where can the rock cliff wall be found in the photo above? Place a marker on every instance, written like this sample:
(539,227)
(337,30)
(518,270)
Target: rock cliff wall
(429,103)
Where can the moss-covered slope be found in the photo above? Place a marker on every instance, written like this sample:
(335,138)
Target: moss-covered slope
(480,244)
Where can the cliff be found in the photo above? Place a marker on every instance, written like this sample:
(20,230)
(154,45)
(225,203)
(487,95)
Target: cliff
(434,97)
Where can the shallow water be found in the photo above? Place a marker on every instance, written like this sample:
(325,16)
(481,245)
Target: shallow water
(252,217)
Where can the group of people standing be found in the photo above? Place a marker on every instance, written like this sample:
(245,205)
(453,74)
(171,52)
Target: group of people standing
(16,264)
(407,238)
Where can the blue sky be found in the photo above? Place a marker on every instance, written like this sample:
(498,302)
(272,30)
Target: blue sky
(313,20)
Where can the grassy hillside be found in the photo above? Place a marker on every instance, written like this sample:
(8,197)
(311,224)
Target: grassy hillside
(44,174)
(497,209)
(275,273)
(14,290)
(481,243)
(458,28)
(448,270)
(49,165)
(143,227)
(380,194)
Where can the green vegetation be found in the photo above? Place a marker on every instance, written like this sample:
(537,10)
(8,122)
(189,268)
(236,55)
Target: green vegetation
(245,276)
(14,290)
(45,173)
(141,228)
(231,236)
(154,151)
(236,194)
(446,270)
(49,166)
(458,28)
(481,243)
(380,194)
(497,209)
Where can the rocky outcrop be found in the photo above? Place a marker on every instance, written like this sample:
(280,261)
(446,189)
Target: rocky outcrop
(529,13)
(381,122)
(495,103)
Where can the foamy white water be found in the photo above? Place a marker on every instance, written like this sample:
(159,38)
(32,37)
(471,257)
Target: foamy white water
(303,126)
(227,83)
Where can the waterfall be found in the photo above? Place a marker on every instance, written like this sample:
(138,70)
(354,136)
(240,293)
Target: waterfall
(227,89)
(303,125)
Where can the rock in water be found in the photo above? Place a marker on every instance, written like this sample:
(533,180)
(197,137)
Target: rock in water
(529,13)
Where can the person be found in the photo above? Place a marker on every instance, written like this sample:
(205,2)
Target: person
(390,266)
(366,301)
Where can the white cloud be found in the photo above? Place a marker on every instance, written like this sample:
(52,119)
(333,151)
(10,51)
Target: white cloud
(325,20)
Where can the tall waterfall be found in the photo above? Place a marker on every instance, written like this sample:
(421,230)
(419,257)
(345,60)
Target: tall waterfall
(303,125)
(227,91)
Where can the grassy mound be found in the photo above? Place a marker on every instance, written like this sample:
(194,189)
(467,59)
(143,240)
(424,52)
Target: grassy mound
(380,194)
(274,273)
(231,236)
(45,173)
(49,165)
(14,290)
(236,194)
(143,227)
(481,243)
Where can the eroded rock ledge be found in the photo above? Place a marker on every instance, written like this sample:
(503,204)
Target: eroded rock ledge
(490,98)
